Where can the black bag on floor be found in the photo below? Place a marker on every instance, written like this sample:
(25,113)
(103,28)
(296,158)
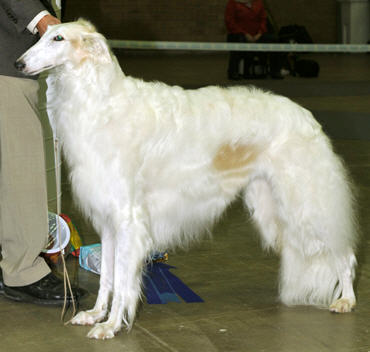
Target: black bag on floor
(307,68)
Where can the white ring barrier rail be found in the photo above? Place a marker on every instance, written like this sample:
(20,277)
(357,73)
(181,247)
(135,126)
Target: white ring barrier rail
(218,46)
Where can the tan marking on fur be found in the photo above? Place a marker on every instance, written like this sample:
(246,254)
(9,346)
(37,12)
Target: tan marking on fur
(76,43)
(236,157)
(80,55)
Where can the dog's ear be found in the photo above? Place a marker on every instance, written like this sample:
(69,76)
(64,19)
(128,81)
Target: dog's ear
(93,46)
(89,27)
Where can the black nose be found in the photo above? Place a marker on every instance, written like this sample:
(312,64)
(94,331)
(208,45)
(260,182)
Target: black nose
(19,65)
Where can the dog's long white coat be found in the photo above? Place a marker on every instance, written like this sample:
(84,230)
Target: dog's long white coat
(153,166)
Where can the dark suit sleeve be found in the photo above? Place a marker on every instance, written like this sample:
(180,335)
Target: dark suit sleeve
(22,12)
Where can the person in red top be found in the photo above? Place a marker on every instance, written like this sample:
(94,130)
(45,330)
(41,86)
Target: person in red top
(246,17)
(246,22)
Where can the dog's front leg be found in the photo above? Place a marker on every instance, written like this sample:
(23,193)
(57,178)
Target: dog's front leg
(133,245)
(98,313)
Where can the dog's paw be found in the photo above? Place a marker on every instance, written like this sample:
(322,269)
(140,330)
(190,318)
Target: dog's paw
(343,305)
(87,318)
(102,331)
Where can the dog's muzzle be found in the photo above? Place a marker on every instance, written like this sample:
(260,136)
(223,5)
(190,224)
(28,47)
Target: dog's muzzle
(20,65)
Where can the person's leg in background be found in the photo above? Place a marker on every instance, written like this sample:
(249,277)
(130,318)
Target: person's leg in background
(237,56)
(275,59)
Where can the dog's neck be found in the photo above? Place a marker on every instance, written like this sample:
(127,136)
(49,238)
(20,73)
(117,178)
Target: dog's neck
(89,73)
(85,82)
(73,91)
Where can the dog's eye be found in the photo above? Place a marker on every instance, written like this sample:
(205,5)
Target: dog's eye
(58,38)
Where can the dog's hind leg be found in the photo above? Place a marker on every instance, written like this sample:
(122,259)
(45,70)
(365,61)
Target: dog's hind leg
(348,299)
(318,280)
(98,313)
(319,229)
(262,206)
(132,248)
(305,212)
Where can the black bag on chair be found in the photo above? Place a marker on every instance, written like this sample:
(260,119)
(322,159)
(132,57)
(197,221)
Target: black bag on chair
(301,67)
(295,34)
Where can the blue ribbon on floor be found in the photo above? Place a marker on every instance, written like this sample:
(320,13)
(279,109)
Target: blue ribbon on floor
(161,286)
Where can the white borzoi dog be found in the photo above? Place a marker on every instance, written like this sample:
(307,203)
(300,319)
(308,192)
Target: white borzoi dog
(152,166)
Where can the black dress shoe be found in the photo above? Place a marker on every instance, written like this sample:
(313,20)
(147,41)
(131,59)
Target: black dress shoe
(47,291)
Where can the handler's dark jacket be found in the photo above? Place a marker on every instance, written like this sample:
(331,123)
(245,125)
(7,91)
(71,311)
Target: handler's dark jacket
(15,38)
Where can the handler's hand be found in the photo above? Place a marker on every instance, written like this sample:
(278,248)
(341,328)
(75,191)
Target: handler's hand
(43,24)
(250,38)
(257,37)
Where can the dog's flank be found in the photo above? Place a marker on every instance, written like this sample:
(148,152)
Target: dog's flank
(152,166)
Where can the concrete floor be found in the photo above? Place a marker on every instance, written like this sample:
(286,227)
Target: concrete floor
(236,279)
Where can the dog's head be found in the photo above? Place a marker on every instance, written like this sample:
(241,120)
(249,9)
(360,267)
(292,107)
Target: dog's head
(68,43)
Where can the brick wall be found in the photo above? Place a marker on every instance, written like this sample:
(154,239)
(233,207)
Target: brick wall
(194,20)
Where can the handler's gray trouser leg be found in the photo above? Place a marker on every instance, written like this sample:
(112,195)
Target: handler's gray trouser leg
(23,194)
